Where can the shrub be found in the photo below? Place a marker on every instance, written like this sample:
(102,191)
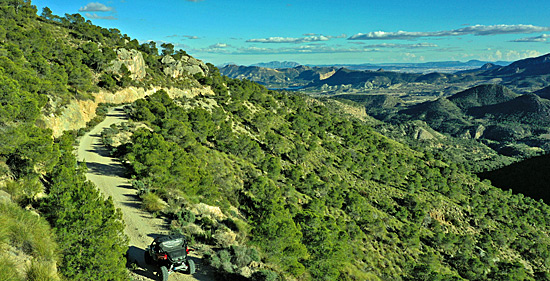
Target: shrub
(185,217)
(264,275)
(151,202)
(7,270)
(41,271)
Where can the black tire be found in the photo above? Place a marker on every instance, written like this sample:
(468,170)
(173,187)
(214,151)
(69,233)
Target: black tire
(163,273)
(191,264)
(147,257)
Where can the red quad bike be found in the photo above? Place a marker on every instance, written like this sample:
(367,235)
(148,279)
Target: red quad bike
(169,253)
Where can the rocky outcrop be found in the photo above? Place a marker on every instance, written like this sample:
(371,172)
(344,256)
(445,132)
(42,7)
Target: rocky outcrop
(419,130)
(132,59)
(326,75)
(77,113)
(185,66)
(422,134)
(478,133)
(473,132)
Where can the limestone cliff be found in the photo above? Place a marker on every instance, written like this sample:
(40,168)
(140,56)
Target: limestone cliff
(132,59)
(77,113)
(185,66)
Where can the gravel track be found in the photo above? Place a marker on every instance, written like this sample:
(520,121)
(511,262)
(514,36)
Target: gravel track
(109,175)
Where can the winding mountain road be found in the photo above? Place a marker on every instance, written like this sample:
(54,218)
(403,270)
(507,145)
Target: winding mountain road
(109,175)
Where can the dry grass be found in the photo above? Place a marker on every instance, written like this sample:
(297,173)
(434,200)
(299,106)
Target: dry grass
(8,271)
(152,203)
(41,271)
(31,237)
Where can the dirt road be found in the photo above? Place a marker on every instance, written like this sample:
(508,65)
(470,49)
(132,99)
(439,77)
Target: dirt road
(141,227)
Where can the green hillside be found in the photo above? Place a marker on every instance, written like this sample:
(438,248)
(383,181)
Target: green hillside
(275,185)
(482,95)
(441,114)
(511,124)
(322,196)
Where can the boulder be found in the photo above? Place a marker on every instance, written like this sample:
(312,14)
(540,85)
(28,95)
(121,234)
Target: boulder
(185,66)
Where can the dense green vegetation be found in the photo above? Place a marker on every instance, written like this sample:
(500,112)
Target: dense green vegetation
(89,229)
(461,148)
(490,119)
(323,196)
(304,191)
(38,74)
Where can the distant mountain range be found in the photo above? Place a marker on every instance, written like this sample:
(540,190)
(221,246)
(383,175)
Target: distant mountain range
(277,64)
(526,75)
(507,107)
(504,107)
(407,67)
(425,67)
(298,76)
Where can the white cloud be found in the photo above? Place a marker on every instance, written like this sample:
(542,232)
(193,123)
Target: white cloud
(182,36)
(478,30)
(289,39)
(313,49)
(96,16)
(541,38)
(309,37)
(219,46)
(95,7)
(402,46)
(510,55)
(343,35)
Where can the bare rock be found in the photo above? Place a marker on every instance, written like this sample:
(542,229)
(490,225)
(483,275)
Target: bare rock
(74,115)
(423,134)
(132,59)
(185,66)
(479,132)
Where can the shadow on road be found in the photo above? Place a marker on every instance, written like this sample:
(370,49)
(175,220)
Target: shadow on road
(112,170)
(117,112)
(136,263)
(126,186)
(100,149)
(133,201)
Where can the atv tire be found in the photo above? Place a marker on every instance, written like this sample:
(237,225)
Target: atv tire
(163,273)
(191,267)
(147,257)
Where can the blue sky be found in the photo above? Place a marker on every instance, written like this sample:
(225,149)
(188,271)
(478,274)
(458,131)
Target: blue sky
(328,32)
